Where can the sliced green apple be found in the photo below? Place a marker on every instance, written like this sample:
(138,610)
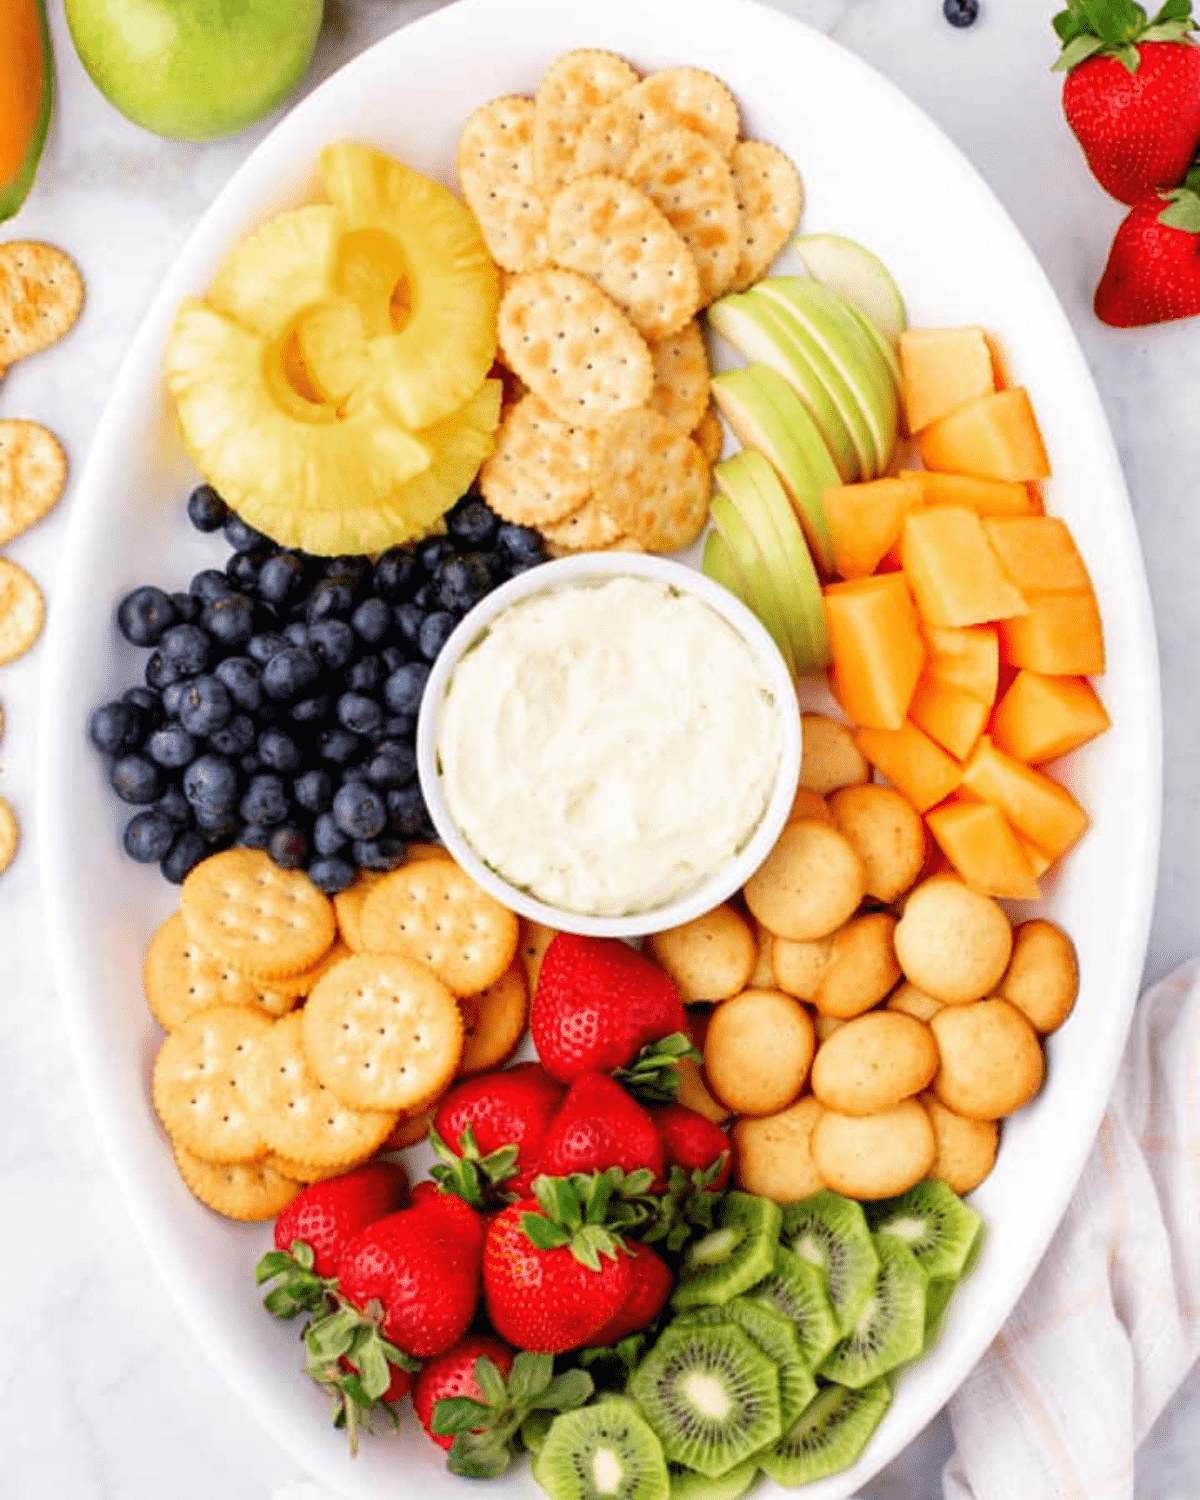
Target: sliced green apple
(886,351)
(720,565)
(766,414)
(756,591)
(849,268)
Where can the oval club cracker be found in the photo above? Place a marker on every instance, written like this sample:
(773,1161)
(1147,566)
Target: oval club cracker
(33,474)
(689,181)
(651,480)
(574,89)
(41,295)
(495,168)
(22,611)
(540,470)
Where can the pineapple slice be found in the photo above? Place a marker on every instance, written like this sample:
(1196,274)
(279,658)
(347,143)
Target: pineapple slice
(444,338)
(285,265)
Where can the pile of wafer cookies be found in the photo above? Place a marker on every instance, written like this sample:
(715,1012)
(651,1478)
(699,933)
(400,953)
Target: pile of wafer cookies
(618,207)
(305,1035)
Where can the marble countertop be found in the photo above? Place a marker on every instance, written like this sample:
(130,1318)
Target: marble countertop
(103,1396)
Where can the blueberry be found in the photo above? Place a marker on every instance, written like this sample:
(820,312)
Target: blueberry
(393,764)
(160,673)
(114,727)
(235,738)
(280,578)
(359,810)
(171,747)
(242,679)
(136,779)
(242,569)
(217,828)
(311,710)
(407,814)
(354,571)
(290,672)
(331,875)
(463,581)
(186,648)
(372,620)
(358,713)
(148,703)
(366,674)
(403,689)
(393,657)
(211,783)
(250,764)
(266,800)
(288,847)
(206,510)
(279,751)
(521,544)
(297,633)
(960,12)
(148,836)
(184,854)
(432,552)
(409,619)
(355,771)
(383,853)
(172,696)
(395,573)
(472,523)
(187,608)
(242,537)
(144,615)
(399,726)
(435,632)
(426,596)
(332,598)
(314,791)
(175,806)
(261,648)
(206,706)
(230,620)
(255,835)
(210,584)
(338,746)
(328,838)
(334,642)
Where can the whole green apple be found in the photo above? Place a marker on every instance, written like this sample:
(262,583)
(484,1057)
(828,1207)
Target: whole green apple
(195,69)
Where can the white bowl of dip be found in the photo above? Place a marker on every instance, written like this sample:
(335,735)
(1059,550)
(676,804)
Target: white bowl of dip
(609,744)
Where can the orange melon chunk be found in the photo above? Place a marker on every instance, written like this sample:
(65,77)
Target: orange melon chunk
(996,437)
(969,659)
(953,572)
(877,650)
(1038,808)
(1061,636)
(1038,553)
(986,497)
(1039,862)
(865,520)
(1040,718)
(983,849)
(943,369)
(920,771)
(948,714)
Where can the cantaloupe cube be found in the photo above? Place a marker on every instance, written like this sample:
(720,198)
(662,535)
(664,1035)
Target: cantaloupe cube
(996,437)
(953,572)
(1039,860)
(970,659)
(943,369)
(983,849)
(864,520)
(920,771)
(948,714)
(878,652)
(1037,807)
(1061,636)
(986,497)
(1038,553)
(1040,718)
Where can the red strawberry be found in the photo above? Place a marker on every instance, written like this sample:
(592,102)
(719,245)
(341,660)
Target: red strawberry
(1153,270)
(652,1283)
(599,1126)
(598,1002)
(453,1374)
(1132,96)
(692,1142)
(399,1385)
(457,1217)
(490,1114)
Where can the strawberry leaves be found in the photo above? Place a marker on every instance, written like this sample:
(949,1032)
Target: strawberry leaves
(1114,28)
(468,1174)
(348,1356)
(653,1076)
(587,1213)
(688,1209)
(484,1430)
(297,1287)
(1183,204)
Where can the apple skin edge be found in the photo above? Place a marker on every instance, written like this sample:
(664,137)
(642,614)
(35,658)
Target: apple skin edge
(23,20)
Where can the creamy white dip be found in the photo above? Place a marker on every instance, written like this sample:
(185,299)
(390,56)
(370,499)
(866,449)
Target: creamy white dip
(606,747)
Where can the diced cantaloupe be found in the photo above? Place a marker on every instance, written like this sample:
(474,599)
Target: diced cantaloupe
(984,850)
(1038,553)
(877,648)
(920,771)
(1040,718)
(1037,807)
(970,659)
(1039,860)
(986,497)
(1061,636)
(865,520)
(943,369)
(948,714)
(952,570)
(996,437)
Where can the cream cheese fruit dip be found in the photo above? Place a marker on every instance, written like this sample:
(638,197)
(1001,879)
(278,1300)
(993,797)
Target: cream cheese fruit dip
(607,746)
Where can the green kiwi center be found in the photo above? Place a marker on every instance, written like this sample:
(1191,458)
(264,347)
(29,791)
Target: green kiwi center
(708,1395)
(607,1471)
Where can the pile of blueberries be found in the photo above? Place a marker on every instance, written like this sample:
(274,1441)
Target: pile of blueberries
(280,703)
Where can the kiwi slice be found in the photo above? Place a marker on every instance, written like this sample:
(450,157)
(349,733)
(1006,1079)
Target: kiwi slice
(940,1289)
(891,1326)
(795,1289)
(733,1256)
(935,1224)
(602,1452)
(828,1435)
(686,1484)
(776,1336)
(711,1395)
(832,1232)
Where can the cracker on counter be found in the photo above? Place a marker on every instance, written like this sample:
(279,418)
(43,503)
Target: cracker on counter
(495,168)
(41,296)
(33,475)
(22,611)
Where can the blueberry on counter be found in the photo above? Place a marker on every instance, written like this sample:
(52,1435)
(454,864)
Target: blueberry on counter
(961,12)
(143,615)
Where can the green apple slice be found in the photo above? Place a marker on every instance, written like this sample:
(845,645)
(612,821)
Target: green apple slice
(755,332)
(851,269)
(757,591)
(886,352)
(766,414)
(720,565)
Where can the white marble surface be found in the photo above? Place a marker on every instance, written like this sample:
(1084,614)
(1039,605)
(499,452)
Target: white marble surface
(102,1395)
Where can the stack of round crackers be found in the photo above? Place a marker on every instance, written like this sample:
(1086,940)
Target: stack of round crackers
(619,207)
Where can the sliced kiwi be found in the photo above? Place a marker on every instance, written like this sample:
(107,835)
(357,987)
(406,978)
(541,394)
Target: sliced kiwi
(940,1289)
(828,1435)
(731,1257)
(602,1452)
(832,1232)
(776,1336)
(891,1326)
(686,1484)
(935,1224)
(534,1429)
(711,1395)
(795,1289)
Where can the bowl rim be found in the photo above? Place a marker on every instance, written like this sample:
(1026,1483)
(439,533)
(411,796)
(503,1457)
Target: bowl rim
(552,577)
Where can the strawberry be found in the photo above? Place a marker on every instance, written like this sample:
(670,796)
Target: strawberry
(599,1126)
(652,1283)
(488,1129)
(1153,270)
(692,1142)
(454,1374)
(457,1217)
(1132,95)
(598,1002)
